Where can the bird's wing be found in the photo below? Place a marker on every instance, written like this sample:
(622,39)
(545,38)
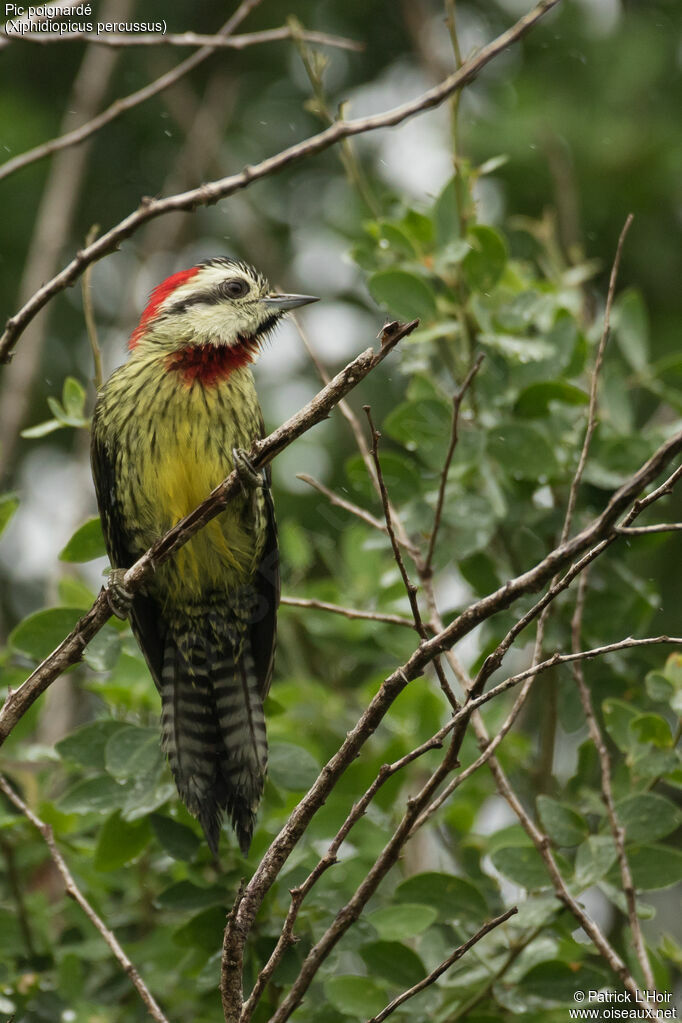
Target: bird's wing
(145,615)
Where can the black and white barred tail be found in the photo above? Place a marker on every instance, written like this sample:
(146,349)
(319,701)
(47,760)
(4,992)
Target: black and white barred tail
(213,726)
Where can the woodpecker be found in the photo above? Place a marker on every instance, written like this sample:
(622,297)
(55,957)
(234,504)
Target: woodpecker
(168,426)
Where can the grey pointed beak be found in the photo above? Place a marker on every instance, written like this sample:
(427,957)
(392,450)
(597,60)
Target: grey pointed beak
(282,303)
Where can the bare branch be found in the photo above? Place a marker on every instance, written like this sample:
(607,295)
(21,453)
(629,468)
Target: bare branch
(280,848)
(74,892)
(457,400)
(661,527)
(120,106)
(359,435)
(617,830)
(541,843)
(342,502)
(299,893)
(410,588)
(592,409)
(89,316)
(216,42)
(445,965)
(211,192)
(70,650)
(348,612)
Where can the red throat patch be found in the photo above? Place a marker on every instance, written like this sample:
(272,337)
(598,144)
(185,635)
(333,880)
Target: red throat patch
(209,364)
(160,292)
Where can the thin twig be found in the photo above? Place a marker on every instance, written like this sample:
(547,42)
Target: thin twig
(216,42)
(410,588)
(359,434)
(527,677)
(211,192)
(120,106)
(348,612)
(70,650)
(457,399)
(52,231)
(445,965)
(282,845)
(89,315)
(592,408)
(74,892)
(661,527)
(299,893)
(541,843)
(617,830)
(342,502)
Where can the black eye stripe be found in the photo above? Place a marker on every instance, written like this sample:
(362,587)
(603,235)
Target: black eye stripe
(212,297)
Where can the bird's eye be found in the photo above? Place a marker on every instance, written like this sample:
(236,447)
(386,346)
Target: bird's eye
(234,288)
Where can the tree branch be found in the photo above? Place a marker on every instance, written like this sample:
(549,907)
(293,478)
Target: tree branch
(120,106)
(445,965)
(318,408)
(617,830)
(74,892)
(348,612)
(215,42)
(211,192)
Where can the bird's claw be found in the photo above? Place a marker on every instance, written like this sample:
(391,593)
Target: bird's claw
(118,597)
(250,478)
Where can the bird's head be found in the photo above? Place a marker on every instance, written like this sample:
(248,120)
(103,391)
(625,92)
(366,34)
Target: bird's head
(220,304)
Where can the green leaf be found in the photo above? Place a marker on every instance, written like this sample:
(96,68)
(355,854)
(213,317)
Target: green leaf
(94,795)
(403,294)
(102,652)
(119,842)
(8,505)
(446,215)
(484,264)
(184,895)
(73,397)
(87,744)
(177,839)
(358,997)
(39,633)
(522,451)
(617,717)
(556,982)
(658,687)
(493,164)
(41,429)
(519,350)
(292,767)
(631,327)
(393,962)
(403,921)
(420,425)
(653,867)
(396,239)
(204,931)
(456,900)
(401,477)
(593,859)
(133,752)
(652,728)
(86,543)
(535,400)
(523,865)
(647,817)
(563,825)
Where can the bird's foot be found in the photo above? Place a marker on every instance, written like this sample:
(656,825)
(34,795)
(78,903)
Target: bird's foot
(118,597)
(250,478)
